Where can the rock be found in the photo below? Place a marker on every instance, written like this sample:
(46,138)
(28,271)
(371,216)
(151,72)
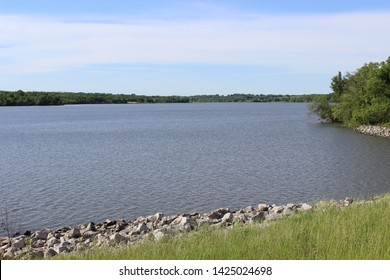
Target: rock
(38,253)
(272,216)
(117,238)
(374,130)
(74,233)
(263,207)
(51,242)
(276,210)
(64,238)
(288,211)
(304,207)
(204,221)
(88,235)
(4,247)
(227,218)
(240,217)
(109,223)
(119,227)
(214,215)
(142,228)
(10,253)
(186,223)
(50,252)
(348,201)
(218,214)
(249,209)
(54,234)
(100,239)
(38,243)
(5,241)
(259,217)
(62,247)
(155,218)
(290,205)
(90,227)
(41,234)
(18,243)
(63,230)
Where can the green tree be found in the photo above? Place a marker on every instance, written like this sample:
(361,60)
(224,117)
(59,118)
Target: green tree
(322,107)
(338,87)
(361,97)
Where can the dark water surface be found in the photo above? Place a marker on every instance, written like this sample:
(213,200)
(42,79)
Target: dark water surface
(69,165)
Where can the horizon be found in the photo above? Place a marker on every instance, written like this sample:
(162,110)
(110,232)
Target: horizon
(187,48)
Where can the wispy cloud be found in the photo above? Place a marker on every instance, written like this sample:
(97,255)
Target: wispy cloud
(44,44)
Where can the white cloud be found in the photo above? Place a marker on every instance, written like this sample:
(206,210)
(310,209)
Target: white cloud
(32,44)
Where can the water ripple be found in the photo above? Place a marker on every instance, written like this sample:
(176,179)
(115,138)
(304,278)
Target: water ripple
(74,164)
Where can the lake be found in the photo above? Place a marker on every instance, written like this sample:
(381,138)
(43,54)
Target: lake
(68,165)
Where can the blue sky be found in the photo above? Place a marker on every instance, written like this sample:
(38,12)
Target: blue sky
(188,47)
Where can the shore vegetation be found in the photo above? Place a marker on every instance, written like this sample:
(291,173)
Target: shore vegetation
(327,232)
(358,98)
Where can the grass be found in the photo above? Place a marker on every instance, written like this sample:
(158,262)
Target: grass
(358,232)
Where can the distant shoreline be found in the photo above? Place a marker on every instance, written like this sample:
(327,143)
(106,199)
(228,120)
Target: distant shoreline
(38,98)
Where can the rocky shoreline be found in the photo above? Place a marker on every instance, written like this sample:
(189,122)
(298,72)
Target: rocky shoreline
(374,130)
(47,243)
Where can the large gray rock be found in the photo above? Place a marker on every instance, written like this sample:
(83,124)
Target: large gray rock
(227,218)
(38,253)
(304,207)
(51,242)
(218,214)
(272,216)
(258,217)
(248,209)
(18,243)
(50,252)
(10,253)
(90,227)
(156,217)
(117,238)
(74,233)
(186,223)
(42,234)
(276,210)
(263,207)
(288,211)
(39,243)
(142,228)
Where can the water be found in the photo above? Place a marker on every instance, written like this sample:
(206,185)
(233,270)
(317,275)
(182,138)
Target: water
(69,165)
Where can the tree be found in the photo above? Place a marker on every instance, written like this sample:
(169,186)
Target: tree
(322,108)
(362,97)
(338,87)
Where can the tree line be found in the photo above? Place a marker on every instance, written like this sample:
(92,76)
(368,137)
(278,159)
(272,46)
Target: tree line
(360,97)
(30,98)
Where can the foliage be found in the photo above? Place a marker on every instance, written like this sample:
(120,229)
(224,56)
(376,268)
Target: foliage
(322,108)
(362,97)
(338,86)
(21,98)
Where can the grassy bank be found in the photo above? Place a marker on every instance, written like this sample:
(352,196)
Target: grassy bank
(359,231)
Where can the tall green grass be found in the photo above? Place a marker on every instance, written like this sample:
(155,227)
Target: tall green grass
(360,231)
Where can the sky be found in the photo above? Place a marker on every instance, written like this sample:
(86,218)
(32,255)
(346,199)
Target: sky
(188,47)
